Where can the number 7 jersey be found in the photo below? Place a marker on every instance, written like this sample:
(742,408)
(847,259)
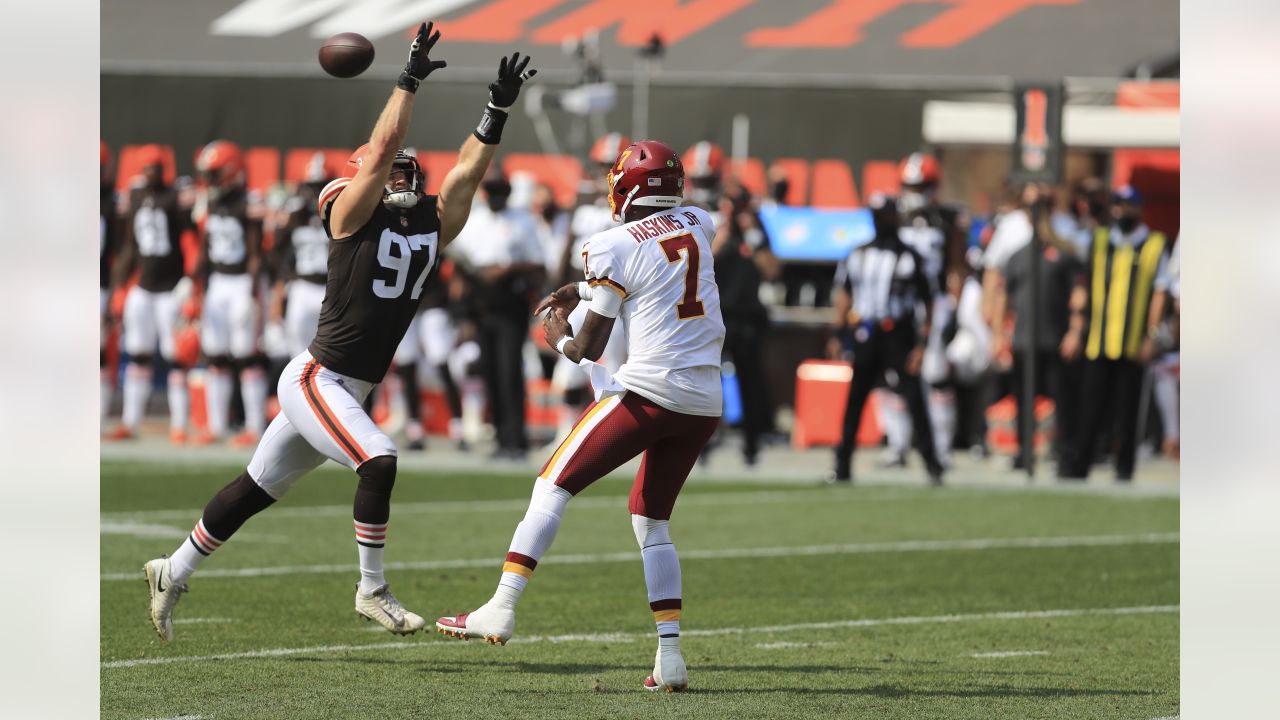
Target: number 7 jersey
(662,269)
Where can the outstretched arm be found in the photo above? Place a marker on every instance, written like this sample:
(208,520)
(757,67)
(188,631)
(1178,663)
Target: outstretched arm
(353,208)
(459,187)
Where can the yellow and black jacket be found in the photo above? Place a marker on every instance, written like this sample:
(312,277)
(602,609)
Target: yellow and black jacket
(1121,282)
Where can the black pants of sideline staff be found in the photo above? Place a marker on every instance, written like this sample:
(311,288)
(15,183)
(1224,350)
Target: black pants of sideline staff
(876,354)
(744,344)
(501,338)
(1108,388)
(1060,381)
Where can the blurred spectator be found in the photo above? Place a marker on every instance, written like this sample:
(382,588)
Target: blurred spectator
(880,287)
(155,218)
(743,260)
(704,166)
(1059,274)
(553,233)
(1167,368)
(968,354)
(1012,233)
(108,247)
(938,233)
(501,255)
(300,259)
(1117,322)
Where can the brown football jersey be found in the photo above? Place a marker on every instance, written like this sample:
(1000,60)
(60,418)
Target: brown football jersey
(375,286)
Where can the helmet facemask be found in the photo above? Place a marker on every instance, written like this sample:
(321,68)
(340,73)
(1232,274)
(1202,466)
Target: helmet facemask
(407,197)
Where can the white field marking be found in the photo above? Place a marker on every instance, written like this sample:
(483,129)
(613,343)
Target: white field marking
(181,717)
(139,529)
(1010,653)
(152,530)
(451,507)
(789,645)
(632,637)
(203,621)
(732,553)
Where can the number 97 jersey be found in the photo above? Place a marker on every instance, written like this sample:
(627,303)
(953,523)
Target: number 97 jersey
(375,285)
(661,267)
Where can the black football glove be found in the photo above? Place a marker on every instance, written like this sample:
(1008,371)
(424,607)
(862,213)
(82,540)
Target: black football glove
(419,65)
(511,76)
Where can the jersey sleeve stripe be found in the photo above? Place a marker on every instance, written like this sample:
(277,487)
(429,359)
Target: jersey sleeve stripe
(609,284)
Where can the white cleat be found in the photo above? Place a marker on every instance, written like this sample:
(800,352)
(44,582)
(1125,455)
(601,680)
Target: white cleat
(164,595)
(669,672)
(493,624)
(381,607)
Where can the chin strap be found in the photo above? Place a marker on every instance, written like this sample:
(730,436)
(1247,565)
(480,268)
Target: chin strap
(622,212)
(404,199)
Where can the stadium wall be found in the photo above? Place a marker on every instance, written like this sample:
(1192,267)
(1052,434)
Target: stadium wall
(855,125)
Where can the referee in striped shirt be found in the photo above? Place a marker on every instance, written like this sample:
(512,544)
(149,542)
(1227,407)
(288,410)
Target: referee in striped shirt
(881,290)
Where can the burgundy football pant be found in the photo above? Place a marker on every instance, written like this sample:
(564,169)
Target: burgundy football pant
(616,429)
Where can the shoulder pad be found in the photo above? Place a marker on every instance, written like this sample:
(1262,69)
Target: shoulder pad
(329,194)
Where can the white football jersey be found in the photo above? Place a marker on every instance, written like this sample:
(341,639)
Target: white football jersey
(663,270)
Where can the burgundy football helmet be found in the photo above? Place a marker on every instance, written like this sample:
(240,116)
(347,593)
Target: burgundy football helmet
(647,173)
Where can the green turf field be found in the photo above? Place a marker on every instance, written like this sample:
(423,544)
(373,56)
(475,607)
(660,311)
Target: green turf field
(799,601)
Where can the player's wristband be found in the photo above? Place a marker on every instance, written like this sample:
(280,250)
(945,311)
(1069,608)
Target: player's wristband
(408,83)
(489,131)
(561,345)
(585,291)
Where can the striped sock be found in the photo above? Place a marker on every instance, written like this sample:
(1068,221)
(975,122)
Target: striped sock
(532,538)
(516,572)
(370,541)
(199,545)
(666,613)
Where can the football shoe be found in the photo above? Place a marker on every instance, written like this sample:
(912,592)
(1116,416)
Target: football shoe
(669,671)
(491,623)
(164,595)
(382,607)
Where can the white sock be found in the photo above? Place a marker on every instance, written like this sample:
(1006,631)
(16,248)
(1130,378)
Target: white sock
(253,391)
(193,551)
(370,542)
(942,415)
(178,402)
(661,574)
(217,399)
(533,536)
(137,388)
(105,384)
(895,421)
(1166,392)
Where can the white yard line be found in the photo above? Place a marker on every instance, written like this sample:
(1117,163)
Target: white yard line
(181,717)
(451,507)
(732,553)
(1010,653)
(203,621)
(626,637)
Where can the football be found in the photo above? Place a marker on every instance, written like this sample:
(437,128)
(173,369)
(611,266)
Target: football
(346,55)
